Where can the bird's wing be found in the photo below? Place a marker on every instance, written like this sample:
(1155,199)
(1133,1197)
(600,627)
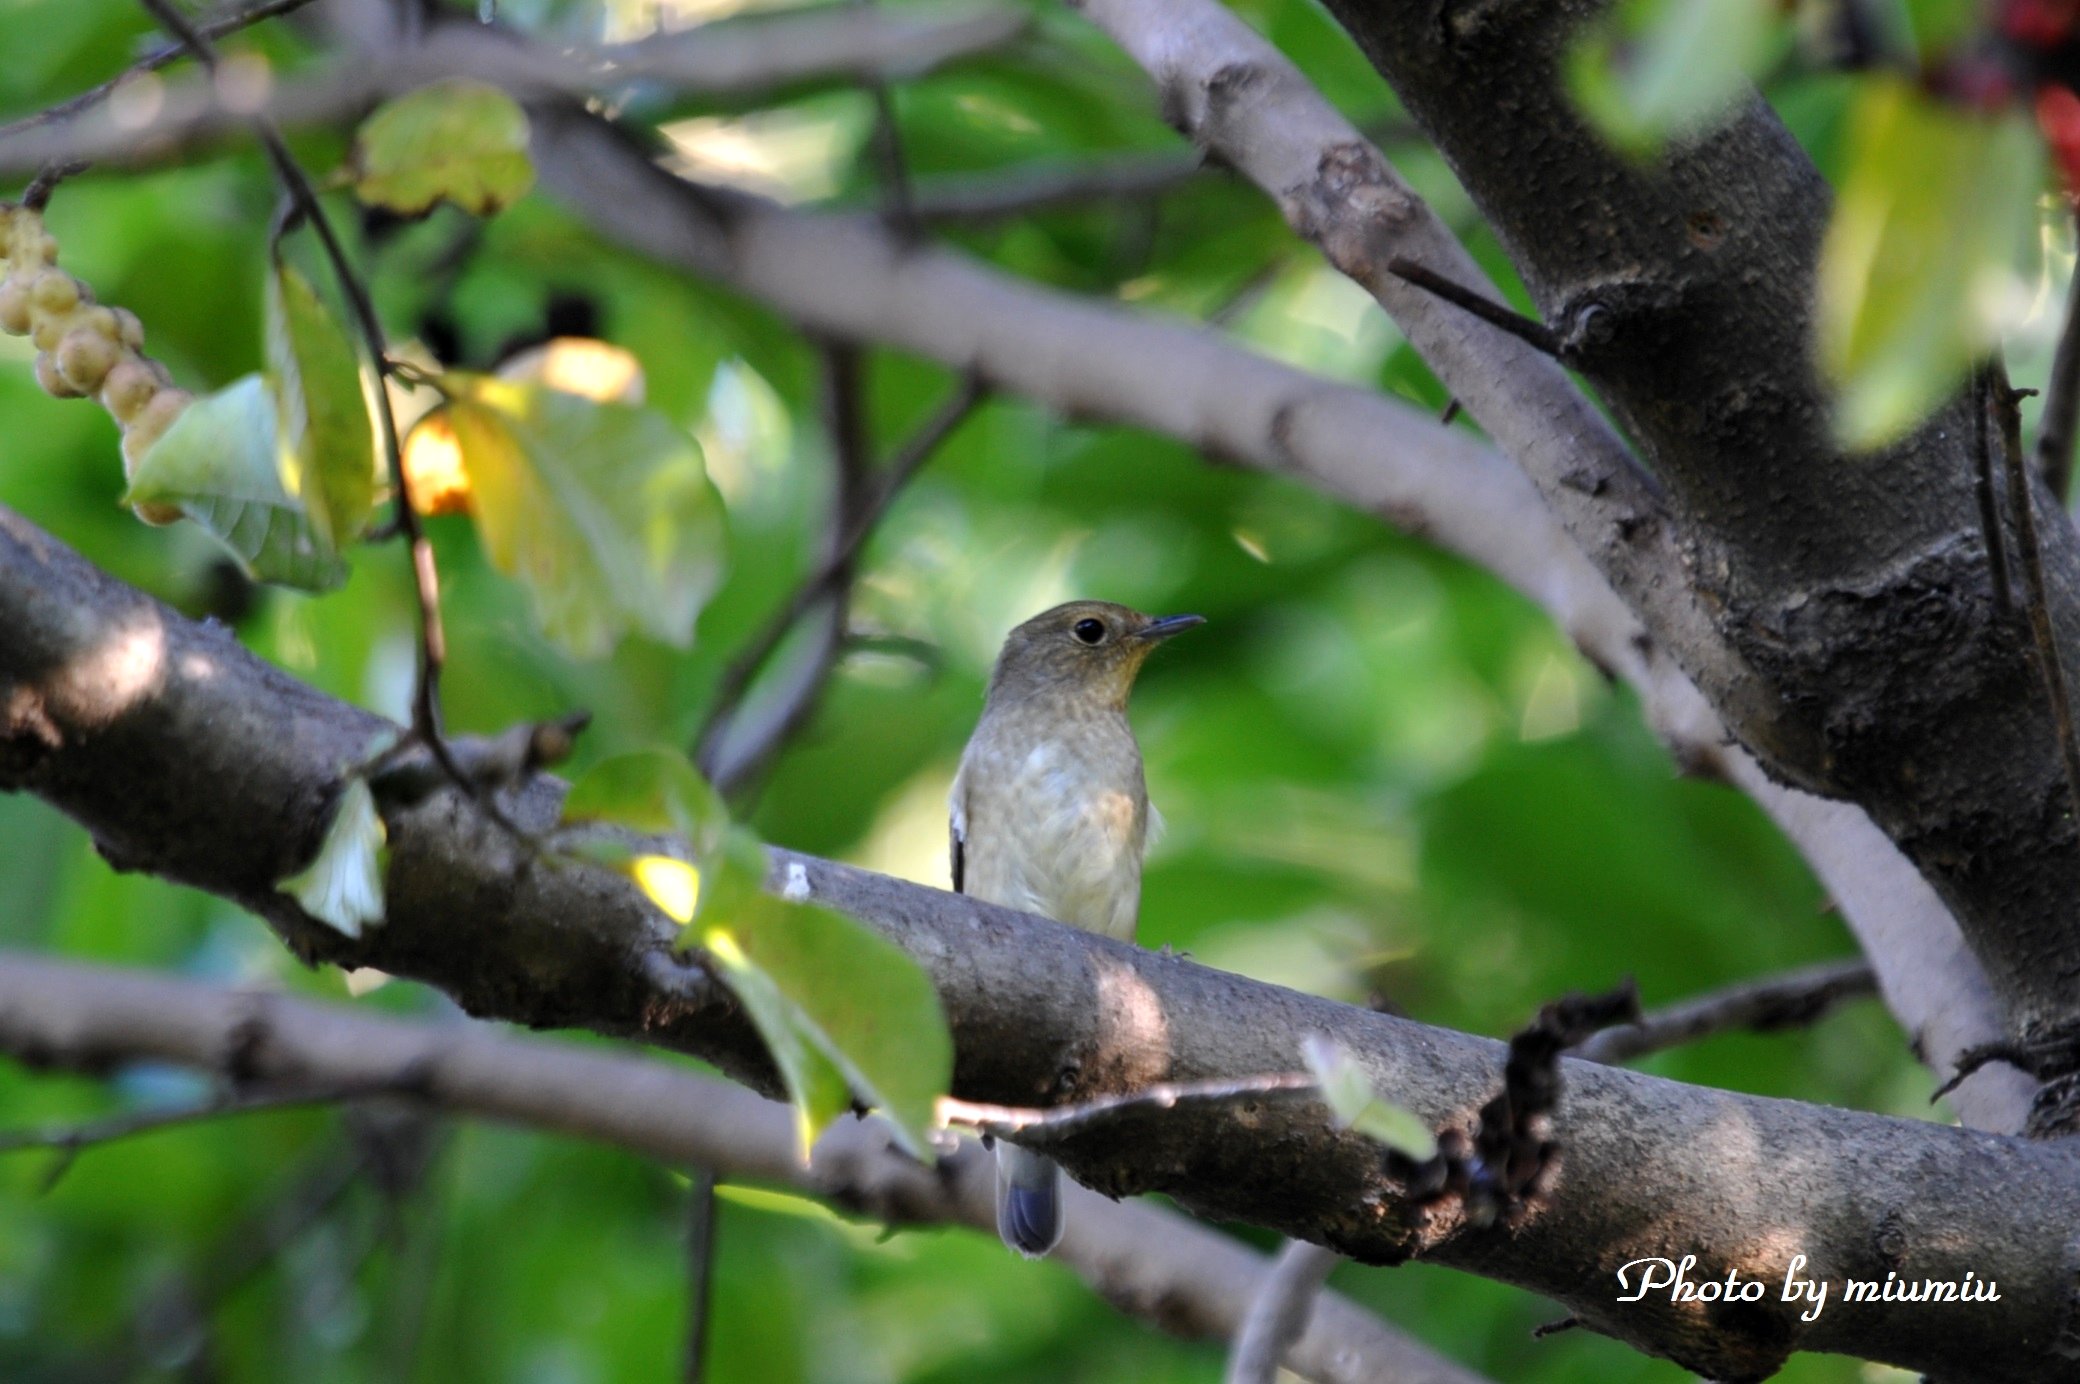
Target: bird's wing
(957,833)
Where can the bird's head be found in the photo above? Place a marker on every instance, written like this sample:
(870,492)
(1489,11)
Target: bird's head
(1085,651)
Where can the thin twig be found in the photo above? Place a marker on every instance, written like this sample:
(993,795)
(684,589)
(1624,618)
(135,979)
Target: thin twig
(1526,329)
(405,773)
(37,195)
(1278,1316)
(433,646)
(730,754)
(70,1141)
(1023,191)
(897,204)
(209,29)
(1989,509)
(700,1271)
(2061,414)
(1793,999)
(1010,1121)
(835,568)
(181,1308)
(1247,294)
(2022,501)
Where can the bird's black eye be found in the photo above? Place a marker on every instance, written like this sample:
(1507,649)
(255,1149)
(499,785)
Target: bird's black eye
(1090,631)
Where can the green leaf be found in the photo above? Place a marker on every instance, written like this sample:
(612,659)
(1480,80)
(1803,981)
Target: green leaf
(846,1013)
(456,140)
(343,886)
(1661,69)
(1348,1092)
(326,440)
(654,790)
(603,511)
(218,463)
(1919,268)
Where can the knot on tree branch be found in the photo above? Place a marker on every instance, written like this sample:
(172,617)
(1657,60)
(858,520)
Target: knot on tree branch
(1503,1169)
(1624,316)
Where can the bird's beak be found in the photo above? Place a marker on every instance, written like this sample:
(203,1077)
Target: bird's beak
(1168,625)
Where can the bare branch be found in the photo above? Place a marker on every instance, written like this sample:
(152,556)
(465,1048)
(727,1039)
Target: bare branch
(1280,1313)
(1039,1126)
(1021,192)
(700,1272)
(729,754)
(70,1141)
(1983,487)
(2061,414)
(1687,279)
(211,29)
(1793,1000)
(1147,1261)
(2022,501)
(735,58)
(732,749)
(1528,330)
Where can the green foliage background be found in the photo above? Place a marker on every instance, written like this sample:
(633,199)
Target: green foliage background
(1387,778)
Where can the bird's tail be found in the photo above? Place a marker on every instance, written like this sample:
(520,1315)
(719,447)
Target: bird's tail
(1029,1200)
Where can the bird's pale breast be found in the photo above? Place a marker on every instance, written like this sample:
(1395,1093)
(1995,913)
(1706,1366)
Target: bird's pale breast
(1053,822)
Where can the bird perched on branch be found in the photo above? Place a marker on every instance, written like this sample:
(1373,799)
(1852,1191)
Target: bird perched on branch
(1051,816)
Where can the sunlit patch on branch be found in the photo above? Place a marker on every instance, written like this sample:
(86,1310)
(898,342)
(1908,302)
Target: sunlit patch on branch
(849,1019)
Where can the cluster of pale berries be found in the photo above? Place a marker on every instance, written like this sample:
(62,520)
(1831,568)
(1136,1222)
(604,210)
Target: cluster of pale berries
(84,349)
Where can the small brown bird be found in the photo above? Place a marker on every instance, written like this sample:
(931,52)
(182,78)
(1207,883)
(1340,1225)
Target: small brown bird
(1051,816)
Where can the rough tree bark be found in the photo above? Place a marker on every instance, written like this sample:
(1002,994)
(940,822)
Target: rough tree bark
(1856,586)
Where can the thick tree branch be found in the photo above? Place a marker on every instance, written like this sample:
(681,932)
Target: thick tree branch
(1188,1280)
(1855,586)
(185,756)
